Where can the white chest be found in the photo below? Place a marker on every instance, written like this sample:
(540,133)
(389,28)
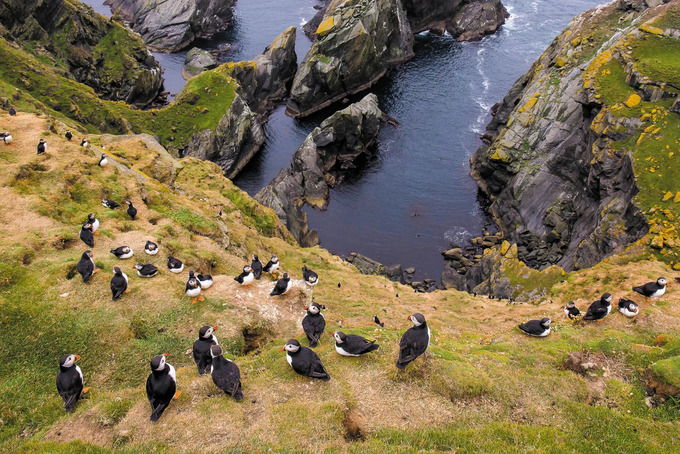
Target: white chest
(172,373)
(659,292)
(194,291)
(289,359)
(342,351)
(80,372)
(249,278)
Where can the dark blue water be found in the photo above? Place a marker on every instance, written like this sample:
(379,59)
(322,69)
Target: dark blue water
(415,197)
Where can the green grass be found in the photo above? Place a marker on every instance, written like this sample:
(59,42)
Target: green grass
(658,58)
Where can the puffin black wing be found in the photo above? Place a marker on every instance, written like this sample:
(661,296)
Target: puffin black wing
(240,277)
(532,327)
(595,312)
(309,275)
(160,392)
(118,286)
(313,326)
(227,377)
(70,386)
(317,369)
(358,345)
(85,267)
(87,237)
(279,288)
(412,344)
(256,266)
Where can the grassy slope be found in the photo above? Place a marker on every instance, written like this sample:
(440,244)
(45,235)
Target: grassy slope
(483,386)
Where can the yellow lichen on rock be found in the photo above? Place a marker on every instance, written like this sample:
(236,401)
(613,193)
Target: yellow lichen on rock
(667,197)
(529,104)
(560,62)
(646,27)
(633,100)
(325,26)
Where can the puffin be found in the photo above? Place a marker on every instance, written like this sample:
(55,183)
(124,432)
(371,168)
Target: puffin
(87,235)
(353,345)
(12,111)
(310,277)
(70,381)
(84,143)
(93,221)
(304,361)
(123,252)
(536,328)
(628,308)
(246,277)
(256,265)
(131,211)
(42,146)
(110,204)
(377,321)
(151,248)
(414,342)
(225,374)
(161,386)
(193,288)
(205,280)
(571,311)
(6,137)
(103,160)
(68,135)
(147,270)
(119,283)
(282,286)
(201,349)
(599,309)
(313,323)
(86,266)
(175,265)
(272,265)
(653,289)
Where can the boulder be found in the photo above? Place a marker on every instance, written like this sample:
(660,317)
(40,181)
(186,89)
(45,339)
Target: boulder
(464,20)
(366,265)
(322,161)
(197,61)
(172,25)
(357,41)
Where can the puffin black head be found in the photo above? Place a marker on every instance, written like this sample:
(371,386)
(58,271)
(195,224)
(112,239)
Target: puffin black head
(206,331)
(255,257)
(117,271)
(545,322)
(606,298)
(286,277)
(87,255)
(570,304)
(42,140)
(158,362)
(418,319)
(215,351)
(139,266)
(291,346)
(247,269)
(191,274)
(315,307)
(340,337)
(662,281)
(128,202)
(68,360)
(91,218)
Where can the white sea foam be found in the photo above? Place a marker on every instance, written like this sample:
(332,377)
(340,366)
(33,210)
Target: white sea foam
(457,235)
(303,21)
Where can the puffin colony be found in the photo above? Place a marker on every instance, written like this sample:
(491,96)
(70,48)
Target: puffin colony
(161,385)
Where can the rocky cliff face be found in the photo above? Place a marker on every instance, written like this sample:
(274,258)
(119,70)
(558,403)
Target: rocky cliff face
(97,52)
(171,25)
(566,157)
(463,19)
(320,163)
(357,41)
(261,83)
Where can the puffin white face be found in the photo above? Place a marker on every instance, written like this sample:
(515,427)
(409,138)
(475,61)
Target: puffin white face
(314,309)
(161,365)
(275,259)
(70,361)
(608,298)
(337,337)
(312,279)
(414,320)
(291,348)
(662,281)
(247,269)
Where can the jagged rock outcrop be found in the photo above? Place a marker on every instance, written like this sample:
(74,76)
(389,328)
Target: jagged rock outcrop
(321,162)
(464,19)
(171,25)
(98,52)
(197,61)
(357,41)
(559,190)
(261,83)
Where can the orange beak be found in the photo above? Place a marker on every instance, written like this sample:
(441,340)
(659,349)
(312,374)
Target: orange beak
(166,354)
(77,357)
(306,307)
(333,333)
(408,318)
(214,328)
(282,348)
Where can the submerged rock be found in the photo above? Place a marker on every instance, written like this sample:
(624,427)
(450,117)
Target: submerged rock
(261,83)
(322,161)
(197,61)
(171,25)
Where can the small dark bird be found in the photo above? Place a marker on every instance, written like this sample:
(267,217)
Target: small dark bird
(12,111)
(119,283)
(313,323)
(310,277)
(151,248)
(225,374)
(93,221)
(377,321)
(256,266)
(193,288)
(201,349)
(147,270)
(87,235)
(272,266)
(103,160)
(86,266)
(353,345)
(571,311)
(175,265)
(205,280)
(653,289)
(7,138)
(70,381)
(68,135)
(131,211)
(161,386)
(122,252)
(628,308)
(246,277)
(282,286)
(598,310)
(536,328)
(339,285)
(414,342)
(84,143)
(42,146)
(304,361)
(110,204)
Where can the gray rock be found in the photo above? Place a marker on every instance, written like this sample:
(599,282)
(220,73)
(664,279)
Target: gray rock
(171,25)
(464,20)
(197,61)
